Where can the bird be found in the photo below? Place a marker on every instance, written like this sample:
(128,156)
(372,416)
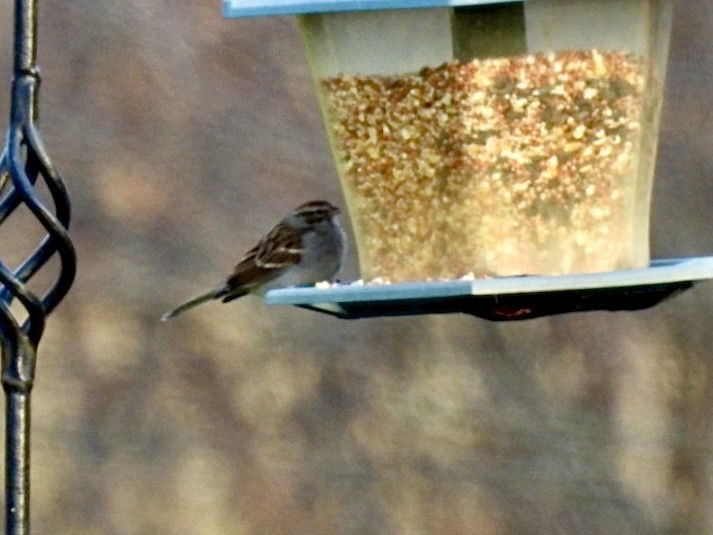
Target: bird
(307,246)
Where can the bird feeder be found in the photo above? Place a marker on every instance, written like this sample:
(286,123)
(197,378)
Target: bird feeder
(490,149)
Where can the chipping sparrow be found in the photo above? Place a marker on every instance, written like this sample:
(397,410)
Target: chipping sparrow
(306,247)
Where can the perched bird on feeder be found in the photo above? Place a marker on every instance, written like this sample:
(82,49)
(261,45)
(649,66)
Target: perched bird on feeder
(306,247)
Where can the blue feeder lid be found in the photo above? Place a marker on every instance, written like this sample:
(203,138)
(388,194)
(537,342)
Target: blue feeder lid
(505,298)
(259,8)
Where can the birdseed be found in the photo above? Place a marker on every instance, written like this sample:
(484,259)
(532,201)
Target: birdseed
(500,166)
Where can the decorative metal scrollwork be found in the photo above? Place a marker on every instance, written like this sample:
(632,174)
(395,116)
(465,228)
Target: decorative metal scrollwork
(23,164)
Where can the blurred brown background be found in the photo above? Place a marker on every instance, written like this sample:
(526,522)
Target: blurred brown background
(182,138)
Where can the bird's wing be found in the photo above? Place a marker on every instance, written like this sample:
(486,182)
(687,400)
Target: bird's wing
(275,252)
(280,249)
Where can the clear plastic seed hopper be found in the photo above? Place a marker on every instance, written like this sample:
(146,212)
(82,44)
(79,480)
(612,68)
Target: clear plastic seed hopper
(497,158)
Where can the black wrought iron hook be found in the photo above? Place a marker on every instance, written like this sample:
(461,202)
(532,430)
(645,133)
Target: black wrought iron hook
(23,163)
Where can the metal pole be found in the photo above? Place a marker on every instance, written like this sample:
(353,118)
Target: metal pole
(17,459)
(16,384)
(17,378)
(23,162)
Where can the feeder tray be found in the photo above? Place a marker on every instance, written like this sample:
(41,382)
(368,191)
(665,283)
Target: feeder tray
(261,8)
(505,298)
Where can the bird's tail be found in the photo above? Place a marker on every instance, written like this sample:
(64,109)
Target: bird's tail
(215,293)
